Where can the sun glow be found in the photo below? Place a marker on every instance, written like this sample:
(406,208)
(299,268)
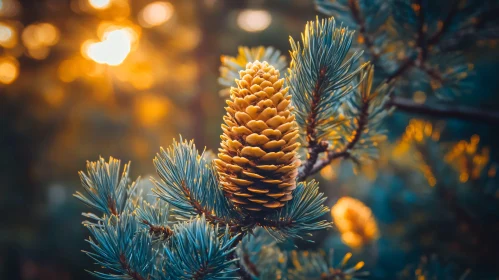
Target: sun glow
(254,20)
(156,13)
(113,49)
(9,70)
(100,4)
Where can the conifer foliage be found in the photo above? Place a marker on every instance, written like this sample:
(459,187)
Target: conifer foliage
(204,209)
(223,218)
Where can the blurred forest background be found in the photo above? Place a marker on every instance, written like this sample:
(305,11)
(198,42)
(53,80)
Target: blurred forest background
(84,78)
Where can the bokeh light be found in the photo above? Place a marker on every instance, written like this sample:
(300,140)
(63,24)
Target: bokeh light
(40,35)
(188,38)
(254,20)
(39,53)
(419,97)
(38,38)
(151,109)
(100,4)
(156,13)
(113,49)
(468,160)
(9,70)
(9,8)
(8,38)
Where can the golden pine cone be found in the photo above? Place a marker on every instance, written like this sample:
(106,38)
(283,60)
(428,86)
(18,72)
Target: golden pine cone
(257,163)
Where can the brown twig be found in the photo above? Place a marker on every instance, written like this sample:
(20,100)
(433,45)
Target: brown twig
(249,269)
(158,230)
(421,41)
(404,66)
(242,272)
(330,157)
(124,264)
(424,45)
(445,24)
(357,16)
(345,152)
(111,204)
(479,22)
(443,111)
(334,274)
(207,213)
(314,147)
(433,73)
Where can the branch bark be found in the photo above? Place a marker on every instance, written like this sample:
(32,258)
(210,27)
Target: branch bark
(124,264)
(445,24)
(445,111)
(209,215)
(164,231)
(345,152)
(314,147)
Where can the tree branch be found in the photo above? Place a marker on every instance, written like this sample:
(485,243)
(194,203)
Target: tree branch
(445,24)
(246,275)
(314,148)
(158,230)
(330,157)
(421,41)
(345,152)
(471,30)
(424,44)
(406,64)
(124,264)
(211,217)
(445,111)
(368,41)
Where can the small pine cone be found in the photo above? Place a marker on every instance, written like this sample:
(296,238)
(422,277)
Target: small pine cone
(257,163)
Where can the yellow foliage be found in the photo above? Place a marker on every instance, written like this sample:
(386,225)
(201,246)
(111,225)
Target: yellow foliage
(467,159)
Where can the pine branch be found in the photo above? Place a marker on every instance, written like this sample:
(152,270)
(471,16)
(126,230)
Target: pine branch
(199,250)
(245,275)
(317,265)
(421,42)
(189,183)
(124,264)
(330,157)
(158,230)
(154,218)
(362,120)
(450,199)
(300,216)
(313,147)
(320,77)
(120,246)
(445,24)
(424,44)
(357,16)
(105,190)
(471,30)
(251,266)
(345,152)
(200,209)
(445,111)
(234,227)
(260,256)
(404,66)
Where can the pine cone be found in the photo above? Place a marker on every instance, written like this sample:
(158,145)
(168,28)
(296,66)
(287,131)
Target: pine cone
(257,163)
